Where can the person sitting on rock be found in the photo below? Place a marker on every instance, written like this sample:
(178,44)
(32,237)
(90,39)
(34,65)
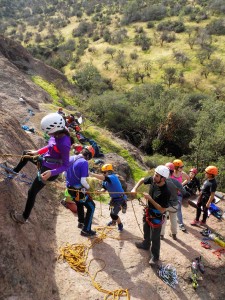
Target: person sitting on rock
(112,184)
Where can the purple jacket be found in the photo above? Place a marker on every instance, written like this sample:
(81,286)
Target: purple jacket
(59,149)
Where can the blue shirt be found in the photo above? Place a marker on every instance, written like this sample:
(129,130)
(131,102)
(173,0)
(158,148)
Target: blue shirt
(113,186)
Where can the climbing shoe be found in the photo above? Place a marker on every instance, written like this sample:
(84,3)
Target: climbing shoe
(18,218)
(161,237)
(202,223)
(80,225)
(88,233)
(120,227)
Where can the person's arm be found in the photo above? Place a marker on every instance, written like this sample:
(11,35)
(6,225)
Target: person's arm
(137,185)
(155,204)
(185,178)
(84,182)
(179,186)
(98,176)
(212,195)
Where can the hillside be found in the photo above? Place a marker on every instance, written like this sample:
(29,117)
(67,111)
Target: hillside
(29,264)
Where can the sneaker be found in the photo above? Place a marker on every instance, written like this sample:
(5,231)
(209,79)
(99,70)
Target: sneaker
(88,233)
(161,237)
(181,226)
(63,202)
(120,227)
(18,218)
(153,262)
(80,225)
(111,223)
(195,223)
(202,223)
(141,246)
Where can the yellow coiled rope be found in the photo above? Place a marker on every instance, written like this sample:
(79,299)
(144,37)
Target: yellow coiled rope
(76,256)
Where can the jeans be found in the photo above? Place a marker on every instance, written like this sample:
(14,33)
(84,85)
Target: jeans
(179,210)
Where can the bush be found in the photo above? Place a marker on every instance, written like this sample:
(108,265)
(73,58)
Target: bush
(175,26)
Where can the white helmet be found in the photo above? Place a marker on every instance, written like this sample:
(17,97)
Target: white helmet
(163,171)
(52,123)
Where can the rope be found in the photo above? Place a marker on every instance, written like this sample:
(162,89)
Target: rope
(76,256)
(136,215)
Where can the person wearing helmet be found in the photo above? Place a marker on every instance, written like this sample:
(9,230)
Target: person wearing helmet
(174,186)
(77,186)
(52,160)
(193,184)
(61,112)
(183,178)
(112,184)
(158,201)
(206,195)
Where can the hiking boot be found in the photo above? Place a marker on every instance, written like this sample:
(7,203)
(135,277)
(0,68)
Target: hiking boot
(111,223)
(195,223)
(153,262)
(80,225)
(181,226)
(141,246)
(161,237)
(18,218)
(88,233)
(63,202)
(120,227)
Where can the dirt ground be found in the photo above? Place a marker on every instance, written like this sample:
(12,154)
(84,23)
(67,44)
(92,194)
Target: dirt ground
(127,267)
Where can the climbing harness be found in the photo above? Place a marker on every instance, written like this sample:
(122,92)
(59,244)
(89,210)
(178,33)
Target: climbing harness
(218,252)
(76,256)
(154,218)
(169,275)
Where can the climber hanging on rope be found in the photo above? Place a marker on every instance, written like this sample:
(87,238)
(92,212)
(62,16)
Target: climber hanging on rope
(51,160)
(112,184)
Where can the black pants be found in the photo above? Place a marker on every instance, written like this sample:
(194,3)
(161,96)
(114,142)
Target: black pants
(151,238)
(90,206)
(36,186)
(201,205)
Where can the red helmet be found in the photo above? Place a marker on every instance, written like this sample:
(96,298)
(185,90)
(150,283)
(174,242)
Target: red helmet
(170,166)
(194,170)
(212,170)
(91,150)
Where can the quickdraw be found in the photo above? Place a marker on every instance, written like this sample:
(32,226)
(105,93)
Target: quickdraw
(10,174)
(169,275)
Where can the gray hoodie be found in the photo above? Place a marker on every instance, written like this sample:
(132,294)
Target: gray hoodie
(174,186)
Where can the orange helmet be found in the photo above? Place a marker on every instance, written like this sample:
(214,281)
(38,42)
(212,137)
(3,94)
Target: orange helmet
(91,150)
(178,163)
(212,170)
(107,167)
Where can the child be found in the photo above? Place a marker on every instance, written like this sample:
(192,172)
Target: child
(206,195)
(112,184)
(193,185)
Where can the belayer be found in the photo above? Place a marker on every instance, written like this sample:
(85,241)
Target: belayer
(52,160)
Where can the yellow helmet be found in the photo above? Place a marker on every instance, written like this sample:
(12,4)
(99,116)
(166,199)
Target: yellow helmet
(178,163)
(107,167)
